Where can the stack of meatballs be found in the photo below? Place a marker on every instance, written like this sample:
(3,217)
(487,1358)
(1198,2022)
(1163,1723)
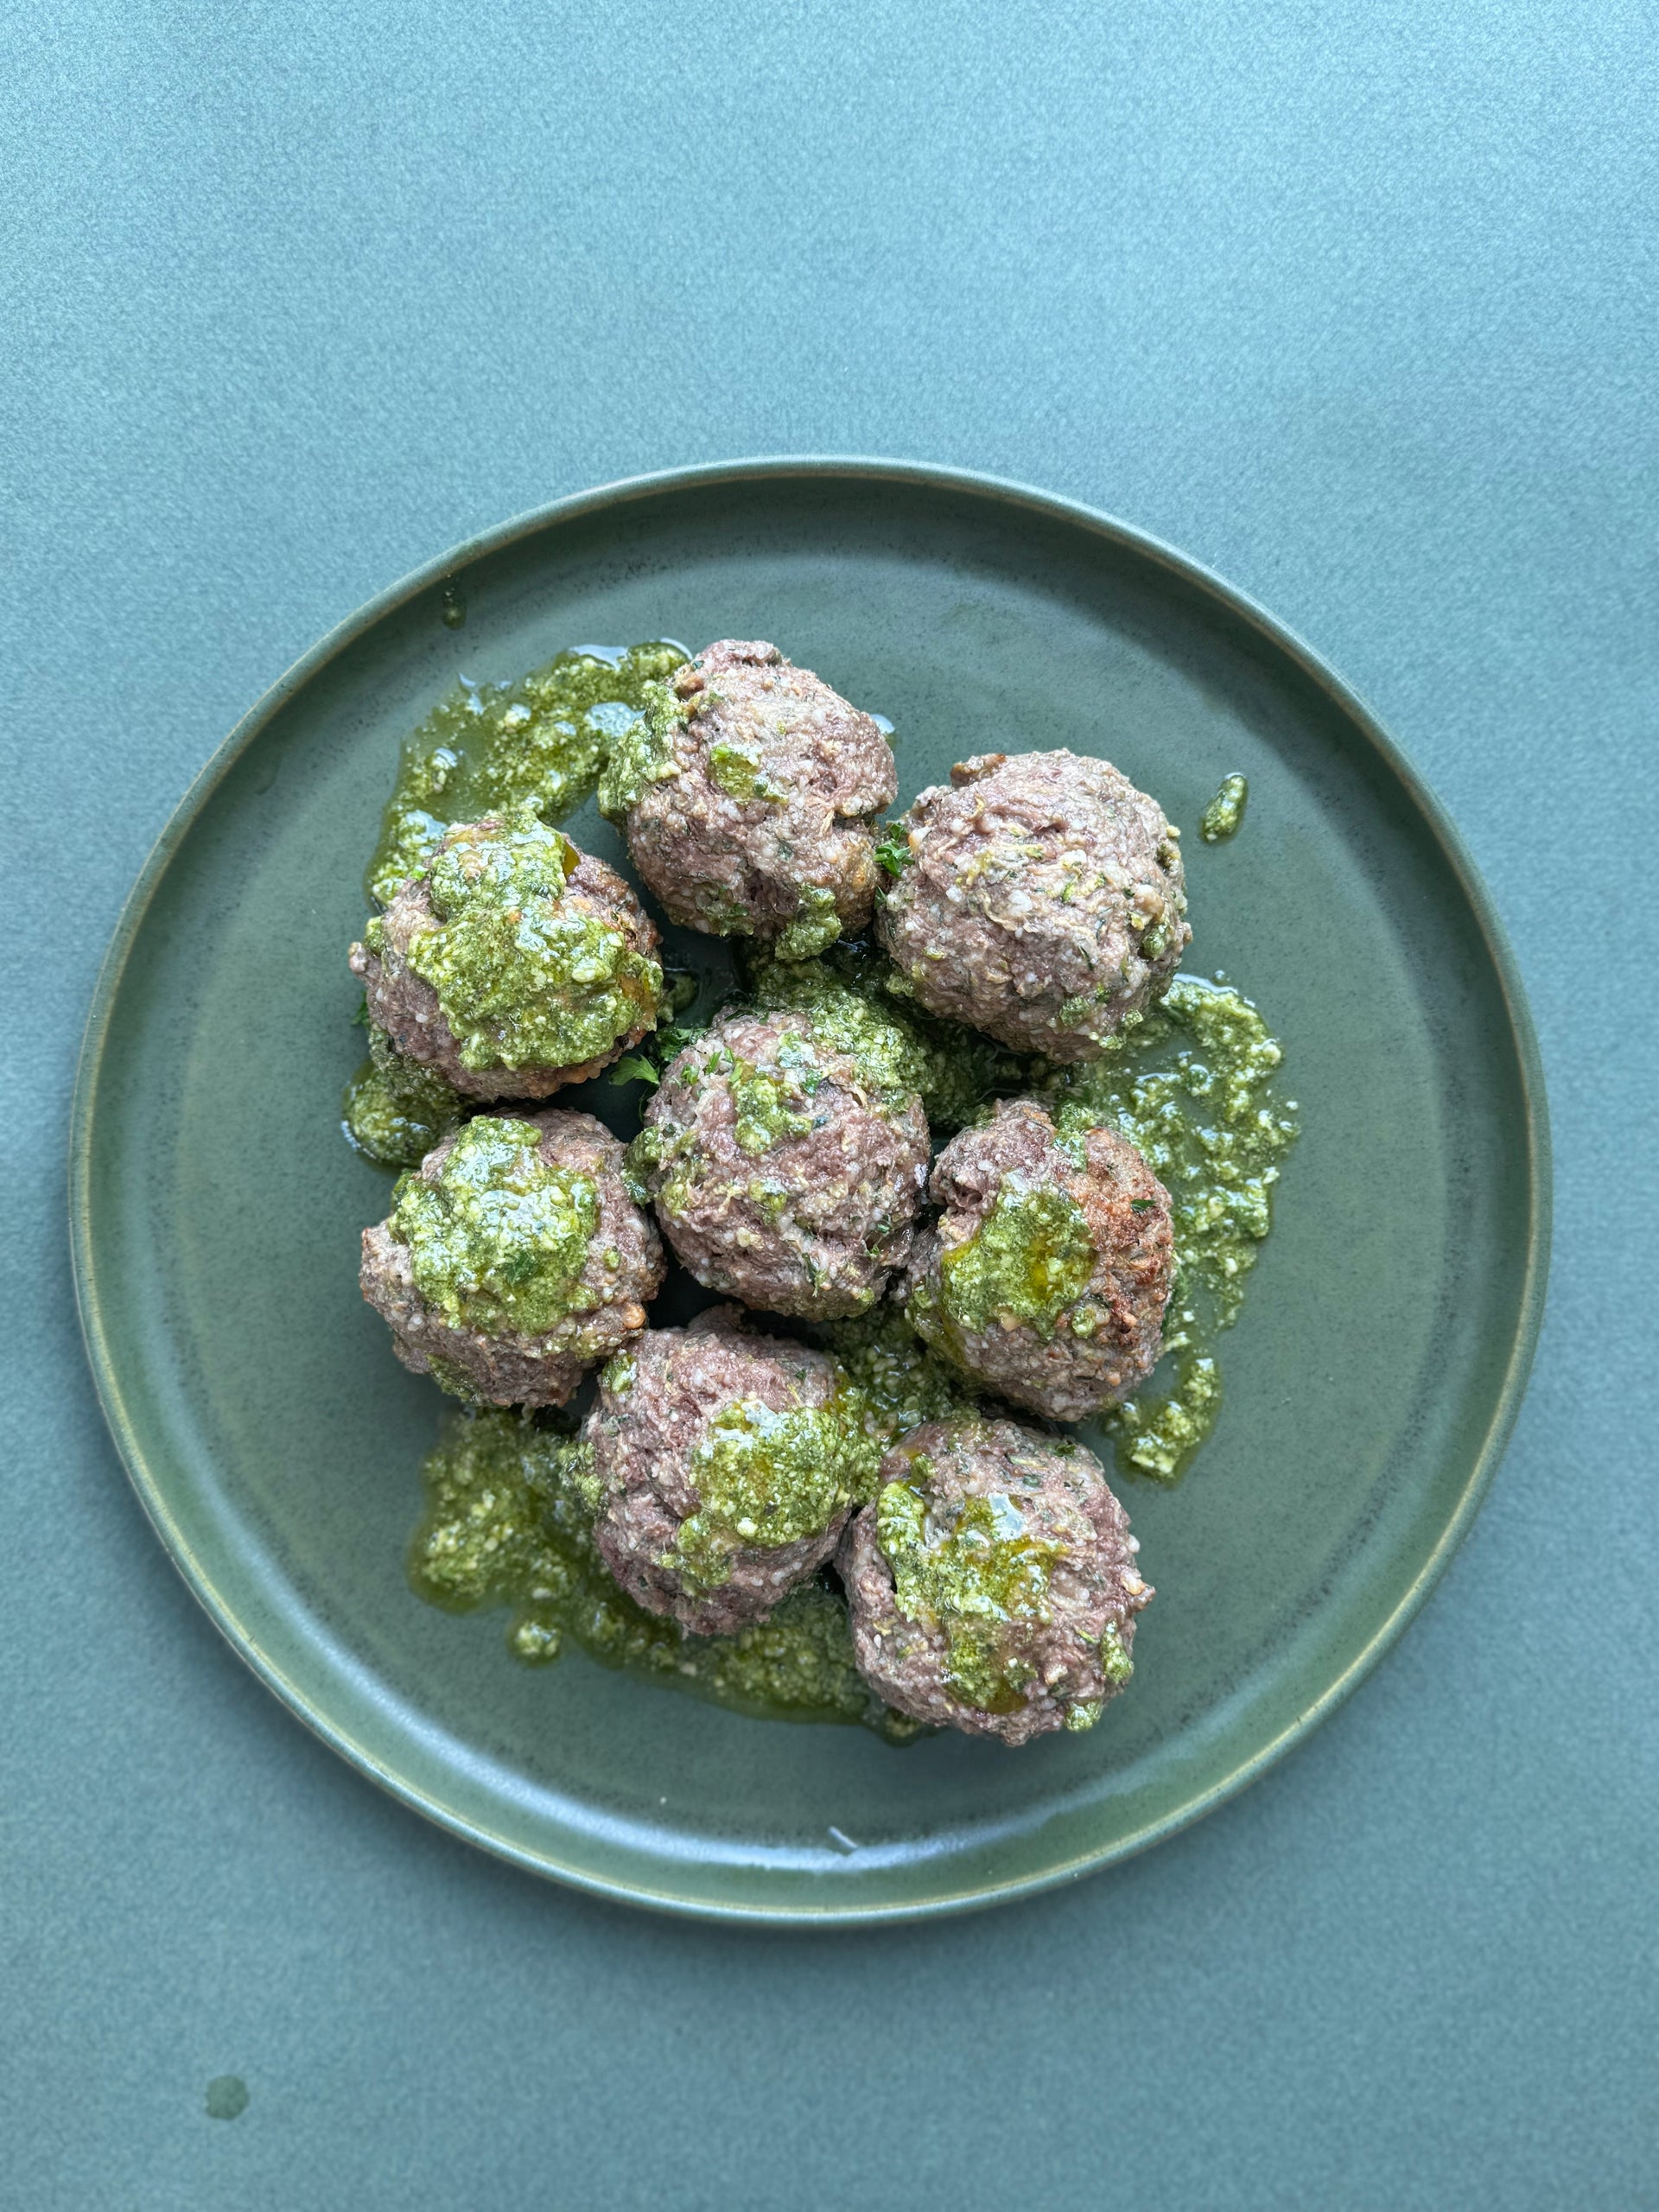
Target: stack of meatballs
(1037,898)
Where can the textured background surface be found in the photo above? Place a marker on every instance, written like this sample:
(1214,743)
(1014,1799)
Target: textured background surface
(1355,303)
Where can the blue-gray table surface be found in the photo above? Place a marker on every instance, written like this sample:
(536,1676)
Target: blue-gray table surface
(1355,303)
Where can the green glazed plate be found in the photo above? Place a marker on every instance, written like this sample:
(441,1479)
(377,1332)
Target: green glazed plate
(1369,1386)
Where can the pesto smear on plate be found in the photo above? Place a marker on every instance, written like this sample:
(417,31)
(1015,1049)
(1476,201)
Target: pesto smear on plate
(506,1524)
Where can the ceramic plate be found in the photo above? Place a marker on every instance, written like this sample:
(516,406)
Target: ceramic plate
(274,1441)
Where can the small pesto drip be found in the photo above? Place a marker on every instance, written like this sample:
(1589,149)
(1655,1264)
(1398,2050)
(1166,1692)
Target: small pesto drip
(1189,1085)
(1221,819)
(765,1477)
(969,1570)
(482,749)
(815,928)
(500,1240)
(506,1524)
(902,1382)
(453,606)
(525,976)
(395,1110)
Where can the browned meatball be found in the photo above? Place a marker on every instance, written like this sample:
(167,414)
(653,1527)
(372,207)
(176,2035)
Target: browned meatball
(721,1466)
(513,963)
(514,1258)
(1046,1274)
(749,791)
(786,1172)
(992,1583)
(1039,897)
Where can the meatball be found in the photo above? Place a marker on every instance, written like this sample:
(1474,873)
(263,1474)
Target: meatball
(787,1171)
(1039,897)
(514,1258)
(992,1583)
(749,791)
(1047,1276)
(512,964)
(721,1466)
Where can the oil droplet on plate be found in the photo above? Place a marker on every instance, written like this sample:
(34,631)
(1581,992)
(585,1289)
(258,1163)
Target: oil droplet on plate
(227,2097)
(453,606)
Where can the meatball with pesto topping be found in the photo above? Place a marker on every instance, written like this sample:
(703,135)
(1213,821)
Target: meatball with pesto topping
(992,1583)
(1046,1274)
(786,1169)
(1039,898)
(513,963)
(749,791)
(513,1259)
(719,1466)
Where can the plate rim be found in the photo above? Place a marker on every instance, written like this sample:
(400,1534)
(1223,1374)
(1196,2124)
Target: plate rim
(995,490)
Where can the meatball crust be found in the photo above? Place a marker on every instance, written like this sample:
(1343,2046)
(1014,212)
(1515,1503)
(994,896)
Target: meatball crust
(406,1006)
(753,814)
(1046,1274)
(724,1466)
(993,1585)
(592,1294)
(786,1172)
(1042,900)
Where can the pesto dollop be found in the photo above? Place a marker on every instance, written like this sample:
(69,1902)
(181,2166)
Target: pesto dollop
(506,1523)
(1027,1262)
(499,1238)
(761,1097)
(969,1567)
(893,852)
(395,1110)
(525,975)
(482,749)
(1191,1084)
(765,1477)
(1221,819)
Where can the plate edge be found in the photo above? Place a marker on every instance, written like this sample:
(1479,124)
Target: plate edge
(1232,600)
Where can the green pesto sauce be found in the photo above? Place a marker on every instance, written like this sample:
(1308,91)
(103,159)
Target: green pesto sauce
(1191,1084)
(736,768)
(643,752)
(762,1097)
(903,1383)
(395,1110)
(845,999)
(764,1478)
(1028,1260)
(506,1523)
(815,928)
(524,979)
(1221,819)
(543,739)
(970,1571)
(499,1242)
